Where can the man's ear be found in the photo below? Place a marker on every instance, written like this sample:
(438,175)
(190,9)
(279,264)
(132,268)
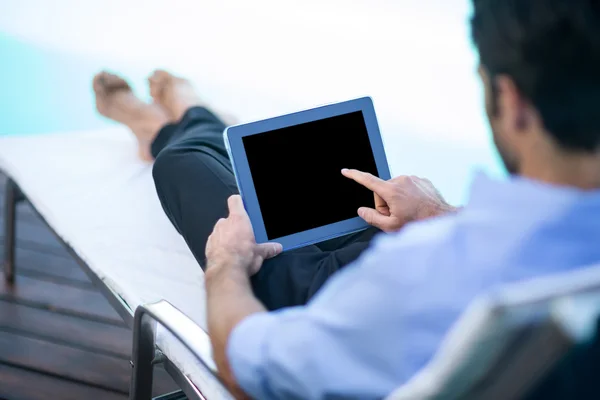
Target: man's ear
(513,108)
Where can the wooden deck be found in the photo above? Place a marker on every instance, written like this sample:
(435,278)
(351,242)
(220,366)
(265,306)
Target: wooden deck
(59,338)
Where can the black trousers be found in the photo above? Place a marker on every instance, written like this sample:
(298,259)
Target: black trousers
(194,178)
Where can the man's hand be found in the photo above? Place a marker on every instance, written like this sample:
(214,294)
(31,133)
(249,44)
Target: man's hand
(232,257)
(232,243)
(399,201)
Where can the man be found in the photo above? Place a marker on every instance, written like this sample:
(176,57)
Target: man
(194,178)
(380,319)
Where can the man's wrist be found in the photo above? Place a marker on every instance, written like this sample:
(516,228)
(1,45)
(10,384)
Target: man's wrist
(436,210)
(225,266)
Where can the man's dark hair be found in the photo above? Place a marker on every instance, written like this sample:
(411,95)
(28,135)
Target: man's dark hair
(551,49)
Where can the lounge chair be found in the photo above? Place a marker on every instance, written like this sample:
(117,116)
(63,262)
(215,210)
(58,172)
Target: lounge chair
(100,201)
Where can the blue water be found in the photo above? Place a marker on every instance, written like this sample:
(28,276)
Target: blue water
(45,91)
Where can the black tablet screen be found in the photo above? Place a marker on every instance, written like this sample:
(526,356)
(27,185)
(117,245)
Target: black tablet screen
(297,173)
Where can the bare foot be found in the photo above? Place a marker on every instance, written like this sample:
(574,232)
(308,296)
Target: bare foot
(176,95)
(115,100)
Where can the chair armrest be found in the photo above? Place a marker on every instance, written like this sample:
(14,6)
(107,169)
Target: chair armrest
(187,332)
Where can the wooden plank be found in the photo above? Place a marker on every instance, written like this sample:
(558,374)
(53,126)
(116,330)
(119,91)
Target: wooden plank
(79,365)
(82,367)
(38,250)
(27,218)
(49,264)
(35,235)
(17,383)
(104,338)
(36,232)
(31,229)
(67,299)
(24,210)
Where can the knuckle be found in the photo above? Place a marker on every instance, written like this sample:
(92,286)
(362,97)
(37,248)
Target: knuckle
(401,180)
(394,187)
(209,245)
(220,222)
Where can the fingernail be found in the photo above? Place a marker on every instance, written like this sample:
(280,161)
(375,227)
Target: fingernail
(344,170)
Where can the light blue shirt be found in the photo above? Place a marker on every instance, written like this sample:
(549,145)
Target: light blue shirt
(379,321)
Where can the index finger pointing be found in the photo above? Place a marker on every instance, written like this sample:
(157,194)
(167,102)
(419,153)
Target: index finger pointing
(369,181)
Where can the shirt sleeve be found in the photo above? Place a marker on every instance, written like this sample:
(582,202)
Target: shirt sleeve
(348,342)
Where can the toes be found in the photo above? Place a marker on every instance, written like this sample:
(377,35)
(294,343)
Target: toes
(105,82)
(160,75)
(156,88)
(159,78)
(115,82)
(98,83)
(157,82)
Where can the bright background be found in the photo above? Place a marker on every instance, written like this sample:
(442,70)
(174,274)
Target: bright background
(259,58)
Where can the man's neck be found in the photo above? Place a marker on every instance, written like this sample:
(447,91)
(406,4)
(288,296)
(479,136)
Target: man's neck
(577,170)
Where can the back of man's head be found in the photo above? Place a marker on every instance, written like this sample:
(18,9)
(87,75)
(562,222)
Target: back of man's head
(540,62)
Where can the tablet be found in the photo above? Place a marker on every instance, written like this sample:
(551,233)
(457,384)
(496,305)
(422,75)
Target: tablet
(288,171)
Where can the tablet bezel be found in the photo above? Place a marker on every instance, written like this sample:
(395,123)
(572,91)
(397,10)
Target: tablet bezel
(233,141)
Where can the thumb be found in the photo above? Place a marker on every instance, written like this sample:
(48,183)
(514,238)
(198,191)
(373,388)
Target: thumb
(269,250)
(374,218)
(236,205)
